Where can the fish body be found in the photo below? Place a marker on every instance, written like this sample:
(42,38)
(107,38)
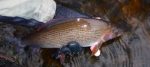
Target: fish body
(82,30)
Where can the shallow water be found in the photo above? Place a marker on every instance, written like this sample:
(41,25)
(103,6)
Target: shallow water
(129,50)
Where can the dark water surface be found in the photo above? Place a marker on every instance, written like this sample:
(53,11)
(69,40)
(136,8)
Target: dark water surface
(129,50)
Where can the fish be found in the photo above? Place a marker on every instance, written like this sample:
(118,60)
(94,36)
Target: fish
(86,31)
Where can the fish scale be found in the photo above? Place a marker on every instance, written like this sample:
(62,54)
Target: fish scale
(84,31)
